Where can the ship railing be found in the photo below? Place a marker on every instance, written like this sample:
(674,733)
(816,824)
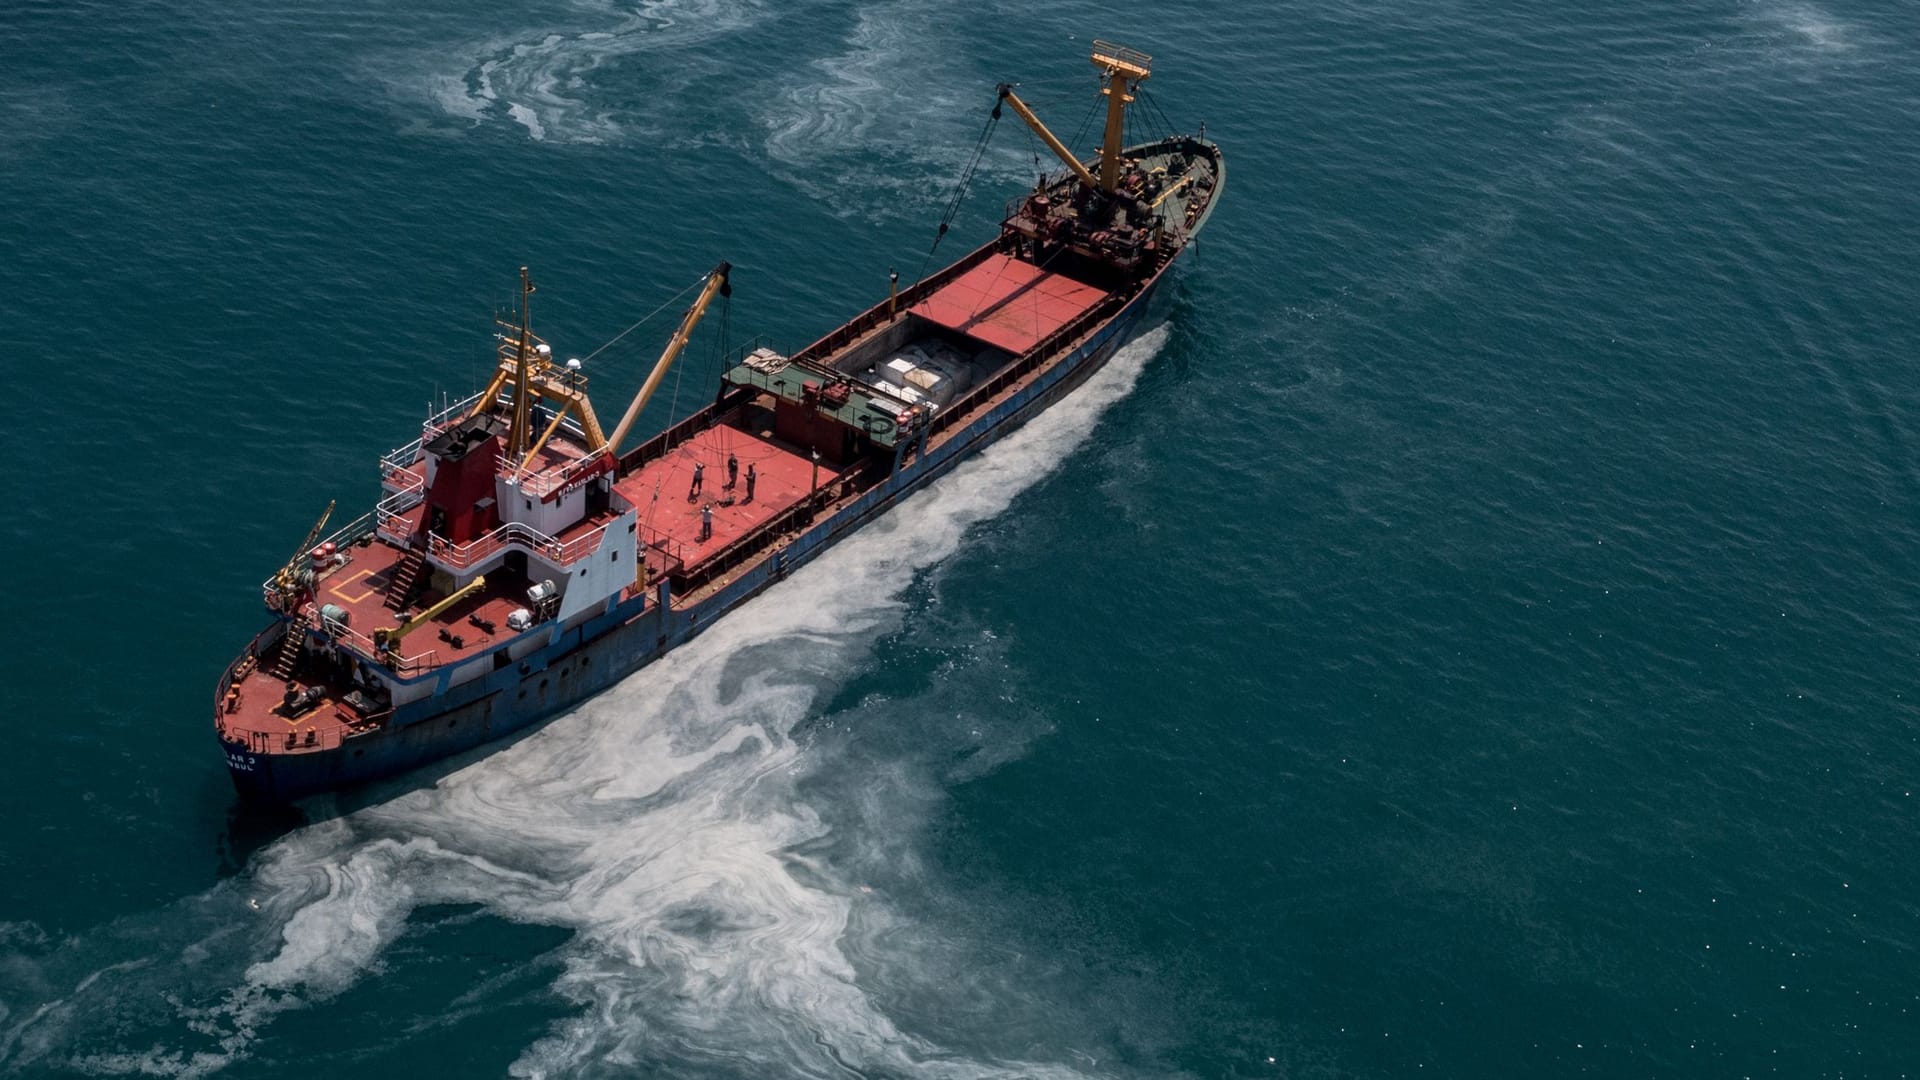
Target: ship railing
(541,483)
(665,545)
(351,532)
(243,665)
(395,465)
(400,459)
(403,481)
(1107,50)
(513,533)
(417,663)
(407,478)
(310,739)
(342,538)
(294,741)
(756,342)
(390,514)
(450,415)
(402,456)
(355,639)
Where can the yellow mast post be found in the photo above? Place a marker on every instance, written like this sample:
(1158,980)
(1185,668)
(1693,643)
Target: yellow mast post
(1125,68)
(517,441)
(521,359)
(716,281)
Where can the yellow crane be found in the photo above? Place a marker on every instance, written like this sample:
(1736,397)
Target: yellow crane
(526,365)
(387,639)
(716,286)
(287,581)
(1124,69)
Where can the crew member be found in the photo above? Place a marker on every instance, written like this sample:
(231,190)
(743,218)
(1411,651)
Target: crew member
(706,523)
(699,475)
(751,477)
(733,470)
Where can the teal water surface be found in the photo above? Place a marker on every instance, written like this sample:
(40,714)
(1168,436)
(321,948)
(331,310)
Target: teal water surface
(1474,636)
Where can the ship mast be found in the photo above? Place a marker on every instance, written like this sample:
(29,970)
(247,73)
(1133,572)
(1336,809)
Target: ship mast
(1123,69)
(524,360)
(517,441)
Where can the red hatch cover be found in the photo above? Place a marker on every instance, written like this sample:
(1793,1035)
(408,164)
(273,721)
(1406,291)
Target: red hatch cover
(1008,303)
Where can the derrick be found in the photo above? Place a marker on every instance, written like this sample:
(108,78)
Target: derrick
(526,363)
(717,285)
(294,579)
(1123,69)
(1053,142)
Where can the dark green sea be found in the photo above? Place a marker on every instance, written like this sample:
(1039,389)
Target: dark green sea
(1476,635)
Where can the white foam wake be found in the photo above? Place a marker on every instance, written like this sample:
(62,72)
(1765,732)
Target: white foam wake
(662,825)
(881,127)
(899,88)
(1809,25)
(544,79)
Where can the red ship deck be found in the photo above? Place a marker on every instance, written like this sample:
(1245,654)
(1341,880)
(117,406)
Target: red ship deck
(670,518)
(1009,303)
(257,719)
(360,588)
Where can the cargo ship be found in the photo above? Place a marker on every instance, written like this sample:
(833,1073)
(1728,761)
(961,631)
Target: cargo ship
(522,559)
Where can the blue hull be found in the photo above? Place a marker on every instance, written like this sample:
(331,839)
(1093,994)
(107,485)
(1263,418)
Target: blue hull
(583,661)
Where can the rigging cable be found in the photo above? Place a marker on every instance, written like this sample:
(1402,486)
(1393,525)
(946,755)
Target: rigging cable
(1086,123)
(1165,122)
(960,190)
(726,307)
(644,319)
(727,440)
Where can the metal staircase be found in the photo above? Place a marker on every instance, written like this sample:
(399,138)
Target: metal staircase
(287,653)
(404,583)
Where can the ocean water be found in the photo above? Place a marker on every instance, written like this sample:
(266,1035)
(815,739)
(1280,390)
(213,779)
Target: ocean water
(1474,636)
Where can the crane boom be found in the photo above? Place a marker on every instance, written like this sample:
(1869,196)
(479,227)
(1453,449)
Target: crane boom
(286,582)
(1124,69)
(716,283)
(387,639)
(1059,148)
(313,533)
